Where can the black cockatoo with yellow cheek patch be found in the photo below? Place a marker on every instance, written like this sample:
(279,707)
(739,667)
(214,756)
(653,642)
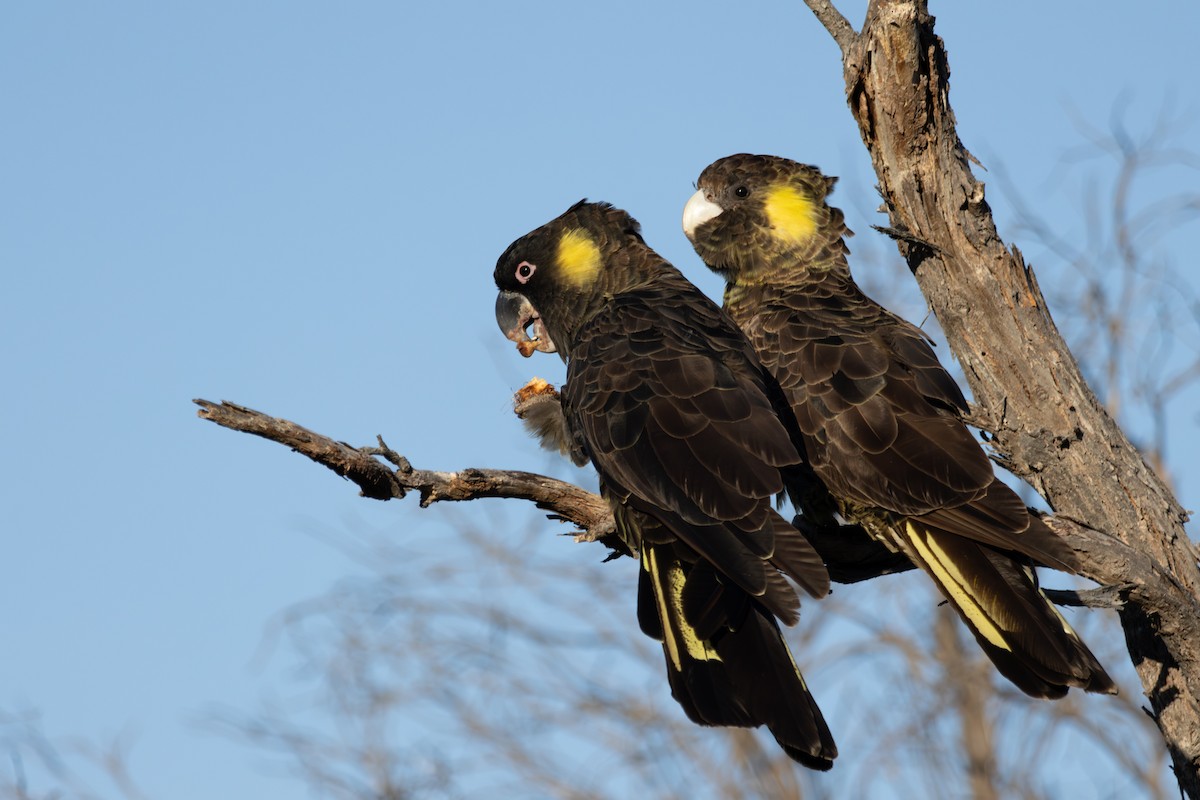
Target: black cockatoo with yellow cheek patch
(666,399)
(881,419)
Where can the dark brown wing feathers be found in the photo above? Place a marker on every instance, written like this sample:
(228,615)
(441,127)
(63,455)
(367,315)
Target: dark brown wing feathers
(882,422)
(694,435)
(675,413)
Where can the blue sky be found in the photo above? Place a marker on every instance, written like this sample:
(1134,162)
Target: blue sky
(298,207)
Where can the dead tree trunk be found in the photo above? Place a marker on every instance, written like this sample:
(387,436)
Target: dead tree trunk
(1048,426)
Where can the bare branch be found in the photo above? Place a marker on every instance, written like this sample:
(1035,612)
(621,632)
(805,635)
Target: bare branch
(567,502)
(838,26)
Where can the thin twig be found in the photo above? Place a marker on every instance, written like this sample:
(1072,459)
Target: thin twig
(1103,597)
(909,238)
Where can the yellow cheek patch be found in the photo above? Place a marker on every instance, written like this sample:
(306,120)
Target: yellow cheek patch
(791,213)
(578,258)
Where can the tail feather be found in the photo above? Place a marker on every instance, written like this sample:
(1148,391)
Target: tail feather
(1018,628)
(717,545)
(1000,519)
(796,557)
(727,662)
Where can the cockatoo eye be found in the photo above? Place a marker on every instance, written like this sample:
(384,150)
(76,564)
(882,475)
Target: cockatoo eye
(525,271)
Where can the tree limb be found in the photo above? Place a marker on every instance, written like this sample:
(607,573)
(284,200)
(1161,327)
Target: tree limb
(375,480)
(838,26)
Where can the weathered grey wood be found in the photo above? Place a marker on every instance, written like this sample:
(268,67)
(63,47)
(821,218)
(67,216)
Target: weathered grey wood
(1047,425)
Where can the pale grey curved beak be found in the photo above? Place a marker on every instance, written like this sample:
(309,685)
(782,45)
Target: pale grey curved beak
(514,314)
(699,210)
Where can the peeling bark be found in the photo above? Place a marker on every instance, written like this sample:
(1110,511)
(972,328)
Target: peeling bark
(1048,426)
